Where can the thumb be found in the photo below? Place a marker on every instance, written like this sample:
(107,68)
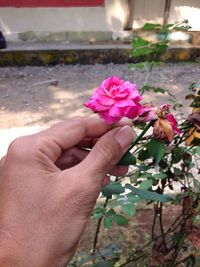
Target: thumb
(107,152)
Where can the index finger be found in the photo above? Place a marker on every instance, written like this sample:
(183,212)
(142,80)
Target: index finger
(71,132)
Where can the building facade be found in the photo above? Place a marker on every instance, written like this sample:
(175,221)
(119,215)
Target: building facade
(89,20)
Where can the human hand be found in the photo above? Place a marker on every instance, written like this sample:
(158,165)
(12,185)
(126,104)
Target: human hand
(49,185)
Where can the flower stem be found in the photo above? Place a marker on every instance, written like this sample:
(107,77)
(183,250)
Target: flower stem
(135,142)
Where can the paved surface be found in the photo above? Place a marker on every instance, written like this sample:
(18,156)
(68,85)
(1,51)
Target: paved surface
(24,46)
(8,135)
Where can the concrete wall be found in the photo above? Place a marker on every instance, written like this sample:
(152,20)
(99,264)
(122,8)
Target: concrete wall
(186,9)
(91,23)
(153,11)
(61,24)
(146,11)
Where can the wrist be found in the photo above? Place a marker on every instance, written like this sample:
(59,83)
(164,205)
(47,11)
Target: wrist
(9,251)
(13,254)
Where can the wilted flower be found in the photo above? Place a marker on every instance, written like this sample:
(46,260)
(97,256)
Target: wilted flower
(166,125)
(194,120)
(194,132)
(115,99)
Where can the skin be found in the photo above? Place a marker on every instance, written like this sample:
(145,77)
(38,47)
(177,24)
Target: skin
(49,184)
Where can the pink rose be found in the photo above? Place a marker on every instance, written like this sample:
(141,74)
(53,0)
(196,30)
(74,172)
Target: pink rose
(115,99)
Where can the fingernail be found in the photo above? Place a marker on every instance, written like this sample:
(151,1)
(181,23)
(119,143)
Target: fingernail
(125,136)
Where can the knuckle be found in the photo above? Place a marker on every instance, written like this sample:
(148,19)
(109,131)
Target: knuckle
(19,150)
(25,146)
(18,146)
(77,120)
(40,142)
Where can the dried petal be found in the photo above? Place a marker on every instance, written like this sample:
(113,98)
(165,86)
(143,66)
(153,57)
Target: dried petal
(194,119)
(193,134)
(163,130)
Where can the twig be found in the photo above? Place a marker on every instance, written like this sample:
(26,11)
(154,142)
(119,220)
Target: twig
(154,222)
(185,259)
(98,228)
(161,226)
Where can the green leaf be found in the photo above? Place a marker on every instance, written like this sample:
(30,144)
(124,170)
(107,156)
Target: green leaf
(194,86)
(197,260)
(127,159)
(140,47)
(146,184)
(141,51)
(145,175)
(177,154)
(139,42)
(134,176)
(153,88)
(148,195)
(120,220)
(129,209)
(112,189)
(156,150)
(151,26)
(144,167)
(160,48)
(98,212)
(178,199)
(143,154)
(110,212)
(107,222)
(132,197)
(182,28)
(198,151)
(176,237)
(102,264)
(178,173)
(160,176)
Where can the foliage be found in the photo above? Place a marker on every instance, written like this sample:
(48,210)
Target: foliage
(161,174)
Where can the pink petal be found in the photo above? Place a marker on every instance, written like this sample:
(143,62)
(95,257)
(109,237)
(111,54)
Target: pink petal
(135,111)
(115,112)
(125,103)
(105,100)
(173,122)
(108,119)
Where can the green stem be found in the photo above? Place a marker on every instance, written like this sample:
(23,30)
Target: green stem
(135,142)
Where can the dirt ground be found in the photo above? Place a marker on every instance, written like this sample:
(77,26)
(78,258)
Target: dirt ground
(31,96)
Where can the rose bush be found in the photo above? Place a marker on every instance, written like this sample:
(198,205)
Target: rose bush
(164,170)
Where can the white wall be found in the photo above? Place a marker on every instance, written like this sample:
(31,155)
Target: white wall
(153,11)
(70,19)
(147,11)
(186,9)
